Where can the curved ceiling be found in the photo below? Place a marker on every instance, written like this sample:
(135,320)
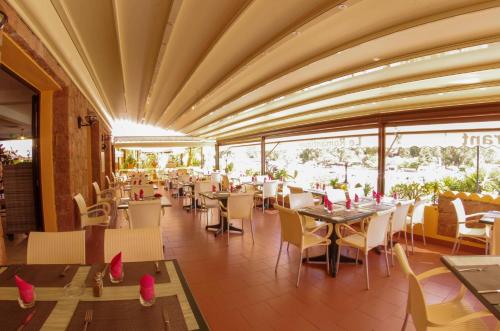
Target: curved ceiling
(224,68)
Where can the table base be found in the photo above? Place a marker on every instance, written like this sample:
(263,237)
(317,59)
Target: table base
(219,230)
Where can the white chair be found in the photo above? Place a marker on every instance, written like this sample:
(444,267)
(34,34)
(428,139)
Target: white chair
(375,235)
(245,179)
(335,195)
(269,190)
(103,195)
(97,214)
(239,207)
(216,179)
(293,232)
(199,187)
(416,218)
(144,214)
(285,191)
(480,234)
(56,247)
(357,190)
(209,205)
(398,225)
(301,200)
(135,244)
(454,314)
(147,189)
(261,178)
(495,238)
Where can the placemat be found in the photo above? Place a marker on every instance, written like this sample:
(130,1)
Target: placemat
(127,315)
(487,279)
(133,271)
(11,315)
(46,275)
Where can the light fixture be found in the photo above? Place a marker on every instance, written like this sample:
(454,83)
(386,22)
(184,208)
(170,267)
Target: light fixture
(3,19)
(22,136)
(342,6)
(89,120)
(376,59)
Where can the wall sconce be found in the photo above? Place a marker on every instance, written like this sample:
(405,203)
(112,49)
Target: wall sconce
(3,20)
(90,119)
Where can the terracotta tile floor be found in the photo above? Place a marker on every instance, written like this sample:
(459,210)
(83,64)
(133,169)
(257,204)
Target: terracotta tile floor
(237,289)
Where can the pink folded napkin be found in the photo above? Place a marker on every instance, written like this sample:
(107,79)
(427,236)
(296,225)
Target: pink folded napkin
(157,195)
(330,205)
(136,197)
(115,266)
(378,197)
(213,188)
(141,193)
(147,287)
(395,196)
(356,198)
(26,290)
(140,180)
(348,204)
(374,194)
(134,182)
(190,179)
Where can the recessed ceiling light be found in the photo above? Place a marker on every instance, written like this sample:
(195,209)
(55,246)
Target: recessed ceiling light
(441,93)
(342,6)
(376,59)
(296,33)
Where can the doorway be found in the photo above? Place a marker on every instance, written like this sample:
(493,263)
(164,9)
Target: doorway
(20,194)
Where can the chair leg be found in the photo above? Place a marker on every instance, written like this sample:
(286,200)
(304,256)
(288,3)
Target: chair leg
(278,260)
(228,231)
(406,242)
(251,229)
(287,246)
(327,261)
(423,233)
(387,261)
(412,243)
(357,256)
(458,245)
(367,274)
(392,251)
(307,255)
(454,246)
(338,260)
(405,321)
(300,266)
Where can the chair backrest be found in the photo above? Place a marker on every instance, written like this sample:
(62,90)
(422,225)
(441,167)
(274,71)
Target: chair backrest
(184,178)
(249,188)
(144,214)
(201,187)
(291,225)
(135,244)
(108,181)
(261,178)
(56,247)
(495,238)
(417,215)
(417,306)
(225,183)
(335,195)
(240,206)
(301,200)
(270,189)
(398,221)
(357,190)
(245,179)
(82,209)
(215,178)
(97,190)
(403,260)
(148,190)
(459,209)
(295,189)
(376,234)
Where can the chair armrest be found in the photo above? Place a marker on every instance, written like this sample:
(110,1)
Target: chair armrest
(460,320)
(97,210)
(338,227)
(328,225)
(475,215)
(221,206)
(433,272)
(100,205)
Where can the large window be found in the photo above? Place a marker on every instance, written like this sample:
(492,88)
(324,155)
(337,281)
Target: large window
(239,160)
(327,158)
(445,155)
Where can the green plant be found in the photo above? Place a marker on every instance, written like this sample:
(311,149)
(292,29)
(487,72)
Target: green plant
(413,190)
(7,157)
(282,173)
(129,162)
(229,167)
(334,182)
(309,154)
(468,183)
(367,188)
(358,185)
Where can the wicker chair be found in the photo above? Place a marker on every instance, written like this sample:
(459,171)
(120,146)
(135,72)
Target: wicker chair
(135,244)
(56,247)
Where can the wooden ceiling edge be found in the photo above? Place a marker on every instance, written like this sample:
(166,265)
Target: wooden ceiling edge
(61,12)
(274,42)
(203,57)
(371,65)
(373,86)
(366,38)
(463,113)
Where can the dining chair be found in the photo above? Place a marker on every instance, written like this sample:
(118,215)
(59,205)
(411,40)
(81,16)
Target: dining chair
(56,247)
(209,205)
(416,218)
(97,214)
(293,232)
(239,207)
(495,238)
(136,245)
(147,189)
(375,235)
(199,187)
(225,185)
(216,179)
(301,200)
(398,225)
(261,178)
(283,192)
(335,195)
(454,314)
(295,189)
(245,179)
(269,190)
(462,231)
(144,214)
(103,195)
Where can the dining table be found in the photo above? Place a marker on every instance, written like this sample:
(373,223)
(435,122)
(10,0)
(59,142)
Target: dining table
(222,226)
(64,296)
(481,275)
(128,188)
(339,215)
(165,202)
(489,217)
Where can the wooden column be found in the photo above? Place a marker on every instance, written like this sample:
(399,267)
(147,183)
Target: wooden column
(263,155)
(381,158)
(217,156)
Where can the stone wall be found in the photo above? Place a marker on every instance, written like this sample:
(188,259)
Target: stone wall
(70,144)
(473,203)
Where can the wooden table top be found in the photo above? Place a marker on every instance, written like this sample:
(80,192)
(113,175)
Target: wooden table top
(490,217)
(487,279)
(165,202)
(220,195)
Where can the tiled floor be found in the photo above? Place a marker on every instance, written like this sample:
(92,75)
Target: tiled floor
(237,289)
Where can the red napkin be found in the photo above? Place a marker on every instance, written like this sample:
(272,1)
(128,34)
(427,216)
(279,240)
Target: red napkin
(157,195)
(330,205)
(115,267)
(26,290)
(253,179)
(232,188)
(140,180)
(326,202)
(348,204)
(136,197)
(134,182)
(374,194)
(147,287)
(190,179)
(395,196)
(141,193)
(213,188)
(356,198)
(270,177)
(378,198)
